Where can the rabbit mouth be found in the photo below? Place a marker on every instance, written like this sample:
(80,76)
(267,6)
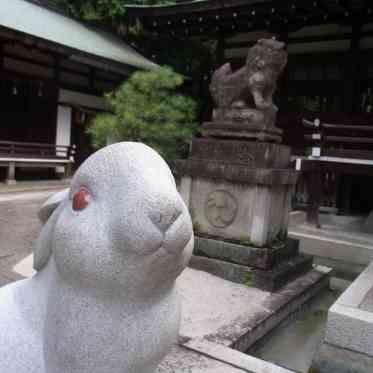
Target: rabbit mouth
(178,236)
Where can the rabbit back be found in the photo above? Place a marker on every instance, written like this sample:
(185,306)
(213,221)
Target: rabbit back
(21,349)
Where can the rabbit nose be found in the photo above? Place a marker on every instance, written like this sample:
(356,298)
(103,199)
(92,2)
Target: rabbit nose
(164,219)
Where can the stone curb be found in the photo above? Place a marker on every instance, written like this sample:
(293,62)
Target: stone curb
(4,189)
(350,325)
(232,357)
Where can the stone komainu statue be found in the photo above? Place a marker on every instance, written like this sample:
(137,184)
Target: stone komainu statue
(252,86)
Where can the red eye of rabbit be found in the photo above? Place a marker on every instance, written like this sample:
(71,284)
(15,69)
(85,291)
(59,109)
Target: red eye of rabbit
(81,199)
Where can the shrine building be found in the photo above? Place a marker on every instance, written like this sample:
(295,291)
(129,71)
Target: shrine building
(329,78)
(53,73)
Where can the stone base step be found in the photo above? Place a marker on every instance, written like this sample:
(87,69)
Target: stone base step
(283,273)
(267,280)
(237,273)
(262,258)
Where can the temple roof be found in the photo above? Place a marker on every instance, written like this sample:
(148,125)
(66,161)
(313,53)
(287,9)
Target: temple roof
(48,25)
(229,16)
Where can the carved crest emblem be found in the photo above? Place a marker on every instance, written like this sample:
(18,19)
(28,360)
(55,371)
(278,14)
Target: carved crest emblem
(221,208)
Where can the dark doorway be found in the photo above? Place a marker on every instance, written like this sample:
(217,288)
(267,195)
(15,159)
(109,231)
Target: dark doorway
(79,137)
(355,194)
(29,110)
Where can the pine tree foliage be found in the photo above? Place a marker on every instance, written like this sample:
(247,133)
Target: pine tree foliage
(148,108)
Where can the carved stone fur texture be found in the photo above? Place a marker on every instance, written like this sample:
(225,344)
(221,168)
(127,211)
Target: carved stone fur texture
(104,298)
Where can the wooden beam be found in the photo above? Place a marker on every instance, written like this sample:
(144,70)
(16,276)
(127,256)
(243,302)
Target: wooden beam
(346,139)
(64,51)
(306,39)
(58,66)
(339,167)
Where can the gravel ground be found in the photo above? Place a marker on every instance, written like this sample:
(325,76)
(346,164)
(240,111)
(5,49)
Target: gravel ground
(19,228)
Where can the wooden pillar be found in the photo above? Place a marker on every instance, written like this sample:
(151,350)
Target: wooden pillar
(11,178)
(92,76)
(352,72)
(345,193)
(1,56)
(68,171)
(314,188)
(283,84)
(57,69)
(220,50)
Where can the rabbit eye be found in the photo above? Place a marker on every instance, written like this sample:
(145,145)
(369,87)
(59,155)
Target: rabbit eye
(81,199)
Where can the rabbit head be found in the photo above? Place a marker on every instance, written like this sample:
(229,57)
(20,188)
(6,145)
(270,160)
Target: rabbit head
(121,225)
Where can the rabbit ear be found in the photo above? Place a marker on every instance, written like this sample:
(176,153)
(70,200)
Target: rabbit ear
(43,246)
(51,204)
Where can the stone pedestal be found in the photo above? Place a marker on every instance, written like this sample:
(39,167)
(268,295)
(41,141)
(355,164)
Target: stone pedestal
(239,195)
(238,190)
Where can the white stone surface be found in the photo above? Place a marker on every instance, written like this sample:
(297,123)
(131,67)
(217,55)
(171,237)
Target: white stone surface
(211,303)
(105,297)
(349,326)
(358,290)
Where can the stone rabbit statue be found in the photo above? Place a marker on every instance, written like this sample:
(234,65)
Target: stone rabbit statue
(104,298)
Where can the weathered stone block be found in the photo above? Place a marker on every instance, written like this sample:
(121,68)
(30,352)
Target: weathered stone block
(267,280)
(263,258)
(234,172)
(232,272)
(274,279)
(332,359)
(251,154)
(253,213)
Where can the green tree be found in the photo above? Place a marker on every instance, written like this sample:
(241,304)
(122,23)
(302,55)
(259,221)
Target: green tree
(149,108)
(110,11)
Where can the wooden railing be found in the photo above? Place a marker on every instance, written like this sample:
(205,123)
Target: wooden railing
(339,140)
(14,149)
(336,149)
